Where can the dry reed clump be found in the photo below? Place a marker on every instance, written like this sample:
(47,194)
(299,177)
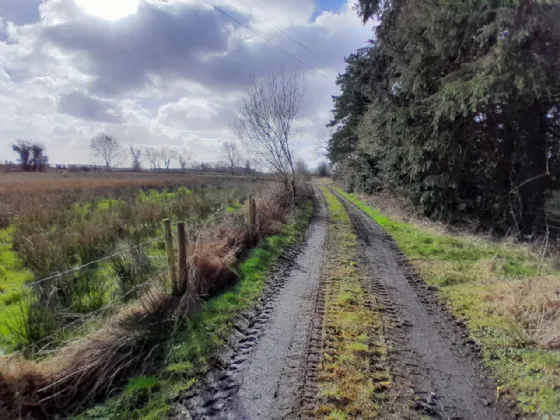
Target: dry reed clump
(135,341)
(535,306)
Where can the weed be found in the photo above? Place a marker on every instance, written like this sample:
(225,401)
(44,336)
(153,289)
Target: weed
(353,333)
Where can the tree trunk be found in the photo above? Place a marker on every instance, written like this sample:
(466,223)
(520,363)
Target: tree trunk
(536,180)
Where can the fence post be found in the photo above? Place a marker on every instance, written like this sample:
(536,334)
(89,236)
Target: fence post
(182,245)
(251,213)
(254,215)
(170,254)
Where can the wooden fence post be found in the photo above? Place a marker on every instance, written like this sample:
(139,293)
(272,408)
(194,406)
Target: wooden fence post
(170,254)
(182,245)
(251,213)
(254,215)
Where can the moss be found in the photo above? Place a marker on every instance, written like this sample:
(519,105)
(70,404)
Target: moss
(353,333)
(472,275)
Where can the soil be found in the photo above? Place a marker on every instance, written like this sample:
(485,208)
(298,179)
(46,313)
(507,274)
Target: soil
(264,371)
(432,351)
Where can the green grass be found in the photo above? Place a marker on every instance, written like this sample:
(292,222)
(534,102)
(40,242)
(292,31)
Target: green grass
(13,277)
(196,343)
(354,371)
(480,280)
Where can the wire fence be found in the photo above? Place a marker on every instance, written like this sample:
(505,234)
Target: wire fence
(57,306)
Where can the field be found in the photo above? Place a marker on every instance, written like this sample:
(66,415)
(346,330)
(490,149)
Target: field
(84,273)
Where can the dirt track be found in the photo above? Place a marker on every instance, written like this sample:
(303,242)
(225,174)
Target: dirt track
(267,371)
(263,373)
(431,349)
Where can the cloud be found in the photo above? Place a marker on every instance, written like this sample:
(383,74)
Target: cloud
(170,74)
(80,105)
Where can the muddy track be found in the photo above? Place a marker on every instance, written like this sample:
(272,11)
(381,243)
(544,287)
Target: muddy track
(432,352)
(267,369)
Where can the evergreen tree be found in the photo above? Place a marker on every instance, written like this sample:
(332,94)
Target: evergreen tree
(462,103)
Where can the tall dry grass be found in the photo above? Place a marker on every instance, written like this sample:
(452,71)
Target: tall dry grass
(135,341)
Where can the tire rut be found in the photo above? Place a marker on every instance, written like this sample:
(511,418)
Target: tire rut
(266,369)
(432,352)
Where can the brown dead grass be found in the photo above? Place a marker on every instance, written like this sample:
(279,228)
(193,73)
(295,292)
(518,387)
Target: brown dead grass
(134,341)
(41,195)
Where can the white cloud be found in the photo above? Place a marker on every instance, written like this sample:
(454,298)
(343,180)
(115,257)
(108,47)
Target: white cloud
(170,74)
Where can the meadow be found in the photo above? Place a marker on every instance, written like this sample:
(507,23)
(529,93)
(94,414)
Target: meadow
(87,301)
(52,223)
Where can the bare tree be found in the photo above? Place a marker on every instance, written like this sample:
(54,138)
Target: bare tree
(230,153)
(136,156)
(264,124)
(107,148)
(183,156)
(166,154)
(153,156)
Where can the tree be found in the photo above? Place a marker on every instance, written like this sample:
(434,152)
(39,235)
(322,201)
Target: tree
(136,156)
(323,170)
(153,156)
(230,154)
(183,156)
(31,154)
(459,115)
(107,148)
(264,124)
(166,155)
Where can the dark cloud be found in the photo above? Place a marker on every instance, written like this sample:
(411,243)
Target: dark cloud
(80,105)
(173,40)
(20,12)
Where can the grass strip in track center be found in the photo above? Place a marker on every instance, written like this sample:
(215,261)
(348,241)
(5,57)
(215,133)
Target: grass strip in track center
(505,294)
(197,341)
(353,374)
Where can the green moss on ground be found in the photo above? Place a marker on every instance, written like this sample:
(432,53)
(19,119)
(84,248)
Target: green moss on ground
(354,371)
(501,290)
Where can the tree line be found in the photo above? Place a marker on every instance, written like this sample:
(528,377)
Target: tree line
(455,105)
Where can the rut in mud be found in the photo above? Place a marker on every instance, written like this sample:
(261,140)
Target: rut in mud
(263,373)
(269,368)
(431,350)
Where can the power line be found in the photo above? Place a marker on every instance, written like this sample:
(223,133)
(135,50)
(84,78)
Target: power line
(288,35)
(267,40)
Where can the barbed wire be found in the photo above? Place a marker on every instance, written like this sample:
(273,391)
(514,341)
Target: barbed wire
(91,315)
(78,268)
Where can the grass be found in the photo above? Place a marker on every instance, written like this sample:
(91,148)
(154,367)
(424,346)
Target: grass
(354,372)
(506,294)
(196,341)
(68,233)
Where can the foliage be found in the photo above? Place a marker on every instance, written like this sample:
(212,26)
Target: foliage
(455,105)
(194,345)
(32,156)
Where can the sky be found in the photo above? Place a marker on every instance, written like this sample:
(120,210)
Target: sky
(161,72)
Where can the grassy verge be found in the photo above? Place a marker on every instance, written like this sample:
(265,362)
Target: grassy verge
(354,371)
(13,277)
(198,339)
(506,295)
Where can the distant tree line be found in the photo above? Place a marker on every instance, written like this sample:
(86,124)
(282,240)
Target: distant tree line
(31,155)
(455,105)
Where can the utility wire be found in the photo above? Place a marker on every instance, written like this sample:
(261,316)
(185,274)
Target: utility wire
(285,33)
(267,40)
